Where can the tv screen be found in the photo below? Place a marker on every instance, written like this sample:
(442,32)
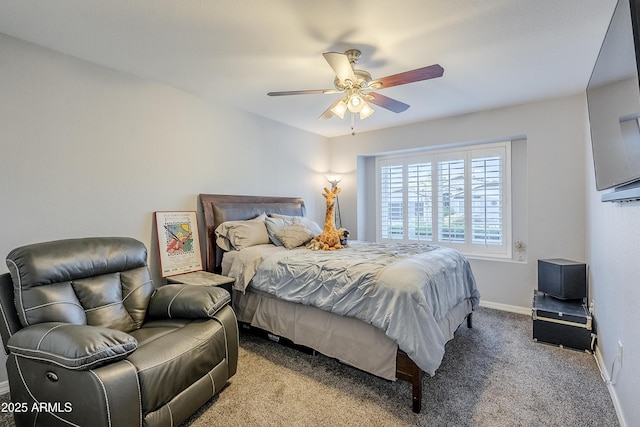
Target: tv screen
(613,97)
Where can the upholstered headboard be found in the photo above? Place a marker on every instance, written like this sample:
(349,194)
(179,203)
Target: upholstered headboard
(218,208)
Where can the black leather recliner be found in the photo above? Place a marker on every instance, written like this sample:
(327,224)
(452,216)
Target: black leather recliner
(92,342)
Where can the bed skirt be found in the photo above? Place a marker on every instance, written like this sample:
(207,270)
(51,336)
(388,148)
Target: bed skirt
(347,339)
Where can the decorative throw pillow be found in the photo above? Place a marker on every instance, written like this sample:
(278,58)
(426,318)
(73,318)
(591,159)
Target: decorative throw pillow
(274,225)
(308,223)
(236,235)
(294,235)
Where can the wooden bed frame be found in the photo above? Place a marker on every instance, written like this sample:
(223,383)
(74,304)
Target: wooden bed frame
(218,208)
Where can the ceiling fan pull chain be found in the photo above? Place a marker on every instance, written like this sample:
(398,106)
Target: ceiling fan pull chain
(353,119)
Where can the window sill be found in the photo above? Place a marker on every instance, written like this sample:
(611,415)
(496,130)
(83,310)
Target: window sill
(497,259)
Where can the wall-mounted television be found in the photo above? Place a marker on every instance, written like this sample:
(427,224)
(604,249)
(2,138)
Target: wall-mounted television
(613,98)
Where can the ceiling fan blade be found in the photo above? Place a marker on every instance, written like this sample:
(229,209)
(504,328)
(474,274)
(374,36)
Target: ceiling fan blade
(386,102)
(304,92)
(424,73)
(340,65)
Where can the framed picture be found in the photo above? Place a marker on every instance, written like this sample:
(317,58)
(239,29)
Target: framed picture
(178,242)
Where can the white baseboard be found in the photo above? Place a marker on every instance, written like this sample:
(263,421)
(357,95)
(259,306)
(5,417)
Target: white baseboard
(612,391)
(506,307)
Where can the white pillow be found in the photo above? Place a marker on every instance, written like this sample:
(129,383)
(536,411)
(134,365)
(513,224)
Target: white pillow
(236,235)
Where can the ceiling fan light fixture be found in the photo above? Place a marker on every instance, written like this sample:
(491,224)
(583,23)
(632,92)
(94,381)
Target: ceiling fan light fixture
(366,111)
(340,108)
(356,103)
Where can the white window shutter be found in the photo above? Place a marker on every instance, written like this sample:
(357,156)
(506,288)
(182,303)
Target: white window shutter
(391,193)
(456,197)
(451,201)
(419,201)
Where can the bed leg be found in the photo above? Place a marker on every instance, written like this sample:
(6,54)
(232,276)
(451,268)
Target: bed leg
(407,370)
(417,392)
(469,320)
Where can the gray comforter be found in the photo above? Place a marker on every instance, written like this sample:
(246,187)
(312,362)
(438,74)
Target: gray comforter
(401,289)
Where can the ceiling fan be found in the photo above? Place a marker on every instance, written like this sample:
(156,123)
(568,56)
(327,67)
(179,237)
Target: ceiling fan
(358,86)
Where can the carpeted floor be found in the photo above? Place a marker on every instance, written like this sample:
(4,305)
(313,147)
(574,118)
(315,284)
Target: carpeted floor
(492,375)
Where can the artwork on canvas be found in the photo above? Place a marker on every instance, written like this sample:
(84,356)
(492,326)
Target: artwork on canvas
(178,242)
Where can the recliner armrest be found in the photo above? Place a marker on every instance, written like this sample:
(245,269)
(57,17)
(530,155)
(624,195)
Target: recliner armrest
(187,301)
(78,347)
(10,323)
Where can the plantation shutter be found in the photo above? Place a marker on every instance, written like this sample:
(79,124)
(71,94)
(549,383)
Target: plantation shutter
(419,202)
(486,200)
(391,193)
(451,200)
(456,197)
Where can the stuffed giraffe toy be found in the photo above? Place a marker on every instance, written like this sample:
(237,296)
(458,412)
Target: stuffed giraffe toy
(329,239)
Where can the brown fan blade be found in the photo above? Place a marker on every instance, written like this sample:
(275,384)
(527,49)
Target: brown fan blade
(340,65)
(424,73)
(304,92)
(386,102)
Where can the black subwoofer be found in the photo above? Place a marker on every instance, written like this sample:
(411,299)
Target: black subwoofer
(562,278)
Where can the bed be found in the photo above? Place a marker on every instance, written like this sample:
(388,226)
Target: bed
(345,327)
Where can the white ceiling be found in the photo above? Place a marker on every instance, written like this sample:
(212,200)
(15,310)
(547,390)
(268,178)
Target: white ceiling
(495,52)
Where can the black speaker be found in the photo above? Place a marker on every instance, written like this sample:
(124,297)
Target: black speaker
(562,278)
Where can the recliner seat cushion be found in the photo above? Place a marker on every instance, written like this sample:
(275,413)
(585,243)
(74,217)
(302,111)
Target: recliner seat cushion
(172,355)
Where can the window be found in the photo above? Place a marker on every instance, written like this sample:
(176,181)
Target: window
(457,197)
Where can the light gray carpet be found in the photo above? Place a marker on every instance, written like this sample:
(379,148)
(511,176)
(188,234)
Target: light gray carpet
(492,375)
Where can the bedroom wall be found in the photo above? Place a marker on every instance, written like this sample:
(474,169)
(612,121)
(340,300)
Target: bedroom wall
(89,151)
(549,195)
(612,234)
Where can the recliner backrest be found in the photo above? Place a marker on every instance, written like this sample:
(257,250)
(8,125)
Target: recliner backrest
(100,281)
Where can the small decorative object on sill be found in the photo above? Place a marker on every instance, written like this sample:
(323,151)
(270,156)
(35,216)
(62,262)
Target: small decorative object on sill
(521,248)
